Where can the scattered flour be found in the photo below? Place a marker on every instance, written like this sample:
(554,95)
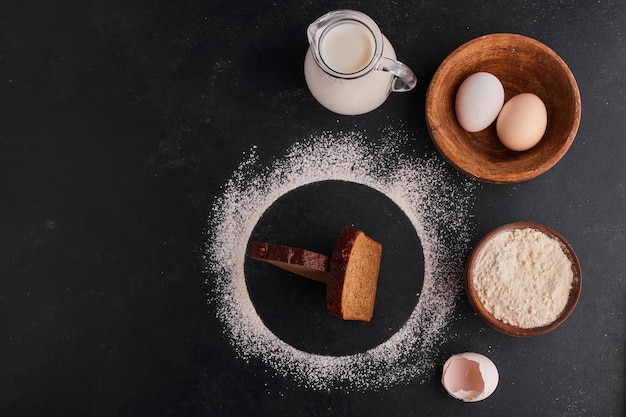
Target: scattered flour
(435,201)
(523,278)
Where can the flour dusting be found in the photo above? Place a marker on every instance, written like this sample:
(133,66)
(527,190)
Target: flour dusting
(437,205)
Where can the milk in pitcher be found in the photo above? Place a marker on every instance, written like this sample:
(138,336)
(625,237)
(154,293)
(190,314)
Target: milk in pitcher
(347,48)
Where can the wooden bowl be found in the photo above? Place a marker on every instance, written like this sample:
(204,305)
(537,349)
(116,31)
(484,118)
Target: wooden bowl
(523,65)
(496,324)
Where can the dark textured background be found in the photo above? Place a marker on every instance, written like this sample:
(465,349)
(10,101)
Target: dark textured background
(119,123)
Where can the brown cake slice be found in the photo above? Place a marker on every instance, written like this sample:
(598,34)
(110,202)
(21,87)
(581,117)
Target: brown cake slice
(354,268)
(351,277)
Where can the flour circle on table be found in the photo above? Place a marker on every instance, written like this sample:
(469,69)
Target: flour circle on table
(311,217)
(435,200)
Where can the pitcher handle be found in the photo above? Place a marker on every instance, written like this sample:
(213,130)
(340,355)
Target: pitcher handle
(404,80)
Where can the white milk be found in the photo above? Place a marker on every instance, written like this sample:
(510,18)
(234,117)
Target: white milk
(348,48)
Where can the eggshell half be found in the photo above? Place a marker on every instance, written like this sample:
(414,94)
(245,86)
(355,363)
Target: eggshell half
(478,101)
(470,376)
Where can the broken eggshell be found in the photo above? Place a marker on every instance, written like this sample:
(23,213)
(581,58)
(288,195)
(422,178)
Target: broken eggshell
(470,376)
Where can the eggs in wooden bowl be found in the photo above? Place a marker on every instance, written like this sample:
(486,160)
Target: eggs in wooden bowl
(524,66)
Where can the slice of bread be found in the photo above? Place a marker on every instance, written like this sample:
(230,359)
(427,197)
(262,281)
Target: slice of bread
(354,268)
(302,262)
(351,276)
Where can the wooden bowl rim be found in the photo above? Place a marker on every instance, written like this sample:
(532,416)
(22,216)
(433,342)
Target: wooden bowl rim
(458,161)
(508,329)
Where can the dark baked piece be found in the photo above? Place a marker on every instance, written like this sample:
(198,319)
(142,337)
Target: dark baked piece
(302,262)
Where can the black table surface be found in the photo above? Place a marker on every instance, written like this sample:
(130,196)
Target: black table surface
(120,124)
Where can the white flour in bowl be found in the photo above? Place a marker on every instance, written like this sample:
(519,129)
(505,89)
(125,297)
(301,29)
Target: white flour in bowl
(523,278)
(437,205)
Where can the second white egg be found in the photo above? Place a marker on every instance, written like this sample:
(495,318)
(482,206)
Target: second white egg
(478,101)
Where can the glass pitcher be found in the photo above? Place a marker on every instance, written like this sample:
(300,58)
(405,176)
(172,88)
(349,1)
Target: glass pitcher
(350,66)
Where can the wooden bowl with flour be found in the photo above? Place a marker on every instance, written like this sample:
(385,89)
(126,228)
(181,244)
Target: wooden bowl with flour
(523,279)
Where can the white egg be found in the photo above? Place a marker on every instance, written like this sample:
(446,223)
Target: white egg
(470,376)
(478,101)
